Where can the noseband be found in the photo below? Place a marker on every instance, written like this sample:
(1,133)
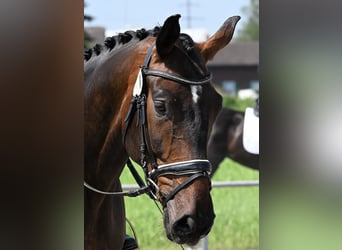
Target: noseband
(193,168)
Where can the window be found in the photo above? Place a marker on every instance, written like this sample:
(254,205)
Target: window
(229,87)
(254,85)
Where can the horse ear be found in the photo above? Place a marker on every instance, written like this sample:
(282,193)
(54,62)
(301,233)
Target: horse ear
(168,35)
(219,40)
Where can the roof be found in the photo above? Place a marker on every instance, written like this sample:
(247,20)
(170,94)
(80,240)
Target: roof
(237,53)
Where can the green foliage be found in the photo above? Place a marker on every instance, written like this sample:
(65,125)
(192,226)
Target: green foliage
(250,30)
(86,38)
(236,224)
(236,103)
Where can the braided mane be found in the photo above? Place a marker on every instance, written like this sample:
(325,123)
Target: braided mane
(122,38)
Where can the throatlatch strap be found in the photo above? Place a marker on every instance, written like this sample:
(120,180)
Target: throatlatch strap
(148,56)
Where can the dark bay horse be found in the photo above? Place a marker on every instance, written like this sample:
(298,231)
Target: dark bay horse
(148,97)
(226,141)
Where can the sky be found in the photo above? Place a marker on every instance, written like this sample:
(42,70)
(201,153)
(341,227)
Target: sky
(135,14)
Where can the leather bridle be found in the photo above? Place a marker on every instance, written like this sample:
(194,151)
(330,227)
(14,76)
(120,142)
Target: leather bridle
(194,168)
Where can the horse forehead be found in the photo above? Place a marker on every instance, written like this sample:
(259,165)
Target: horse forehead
(194,94)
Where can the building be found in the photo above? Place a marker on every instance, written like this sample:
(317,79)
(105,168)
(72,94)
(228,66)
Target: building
(235,67)
(97,34)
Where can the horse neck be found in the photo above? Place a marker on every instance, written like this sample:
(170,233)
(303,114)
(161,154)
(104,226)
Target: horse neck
(110,101)
(106,106)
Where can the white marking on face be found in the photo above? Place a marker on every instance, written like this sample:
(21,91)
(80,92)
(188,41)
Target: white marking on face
(196,91)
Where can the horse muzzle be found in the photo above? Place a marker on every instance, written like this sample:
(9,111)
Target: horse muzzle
(188,209)
(189,228)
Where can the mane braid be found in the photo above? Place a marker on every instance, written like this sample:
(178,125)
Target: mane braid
(110,42)
(97,49)
(87,54)
(121,38)
(125,37)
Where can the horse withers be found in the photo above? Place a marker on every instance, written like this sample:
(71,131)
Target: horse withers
(148,97)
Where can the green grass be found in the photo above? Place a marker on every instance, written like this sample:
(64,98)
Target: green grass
(236,103)
(237,214)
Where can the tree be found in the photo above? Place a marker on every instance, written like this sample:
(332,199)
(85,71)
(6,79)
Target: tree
(87,17)
(250,30)
(87,39)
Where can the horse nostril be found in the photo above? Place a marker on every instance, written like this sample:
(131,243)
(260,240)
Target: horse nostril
(185,226)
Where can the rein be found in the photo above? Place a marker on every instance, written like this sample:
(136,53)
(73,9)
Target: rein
(195,168)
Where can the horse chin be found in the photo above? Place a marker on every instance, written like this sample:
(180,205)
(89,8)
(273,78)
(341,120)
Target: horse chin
(177,237)
(167,224)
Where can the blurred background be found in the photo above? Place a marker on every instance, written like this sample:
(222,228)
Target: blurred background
(235,77)
(41,131)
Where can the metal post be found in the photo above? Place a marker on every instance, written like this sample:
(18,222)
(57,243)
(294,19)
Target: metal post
(205,243)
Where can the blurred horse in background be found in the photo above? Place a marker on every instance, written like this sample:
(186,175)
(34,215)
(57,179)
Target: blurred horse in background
(226,141)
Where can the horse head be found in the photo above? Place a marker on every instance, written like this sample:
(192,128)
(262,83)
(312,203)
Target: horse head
(177,106)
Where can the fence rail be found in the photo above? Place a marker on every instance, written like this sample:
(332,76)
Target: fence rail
(216,184)
(203,244)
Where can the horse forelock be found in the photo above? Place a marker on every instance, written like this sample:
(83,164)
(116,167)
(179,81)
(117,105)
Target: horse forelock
(112,42)
(187,41)
(188,48)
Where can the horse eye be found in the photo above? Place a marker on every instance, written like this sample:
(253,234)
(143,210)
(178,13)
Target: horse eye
(160,107)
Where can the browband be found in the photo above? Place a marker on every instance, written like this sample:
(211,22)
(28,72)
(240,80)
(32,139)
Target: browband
(154,72)
(158,73)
